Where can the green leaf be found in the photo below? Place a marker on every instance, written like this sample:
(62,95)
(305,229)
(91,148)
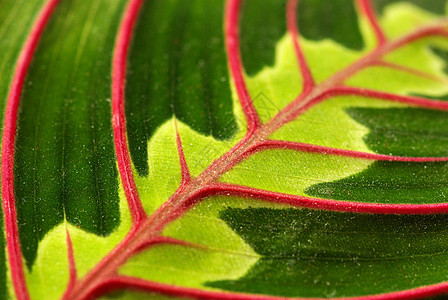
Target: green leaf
(323,254)
(404,131)
(9,48)
(224,149)
(184,56)
(64,163)
(435,6)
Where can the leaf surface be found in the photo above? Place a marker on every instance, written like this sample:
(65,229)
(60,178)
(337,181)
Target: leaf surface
(303,156)
(64,161)
(314,253)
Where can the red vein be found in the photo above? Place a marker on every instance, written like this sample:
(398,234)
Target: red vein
(71,265)
(118,110)
(120,282)
(182,161)
(137,240)
(437,29)
(291,12)
(236,67)
(225,189)
(411,71)
(274,144)
(121,148)
(82,286)
(166,240)
(8,143)
(366,9)
(411,100)
(71,259)
(325,89)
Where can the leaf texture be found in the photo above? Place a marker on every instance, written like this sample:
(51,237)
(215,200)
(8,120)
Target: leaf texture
(235,149)
(69,157)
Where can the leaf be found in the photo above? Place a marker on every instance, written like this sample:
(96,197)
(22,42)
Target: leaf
(180,32)
(311,253)
(65,145)
(148,158)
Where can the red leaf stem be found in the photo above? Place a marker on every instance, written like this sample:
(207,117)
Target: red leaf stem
(71,265)
(226,189)
(166,240)
(126,282)
(291,13)
(296,146)
(411,71)
(8,144)
(366,10)
(236,67)
(118,111)
(411,100)
(182,161)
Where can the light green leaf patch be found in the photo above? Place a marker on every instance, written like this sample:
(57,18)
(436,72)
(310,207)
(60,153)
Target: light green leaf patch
(328,124)
(275,87)
(191,266)
(50,274)
(217,251)
(399,19)
(402,17)
(292,172)
(221,253)
(164,167)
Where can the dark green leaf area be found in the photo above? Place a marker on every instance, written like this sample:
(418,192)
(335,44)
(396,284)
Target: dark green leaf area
(404,131)
(320,19)
(16,16)
(65,165)
(439,297)
(435,6)
(263,23)
(314,253)
(390,182)
(177,65)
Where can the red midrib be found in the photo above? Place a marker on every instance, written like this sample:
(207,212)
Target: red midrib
(8,144)
(118,114)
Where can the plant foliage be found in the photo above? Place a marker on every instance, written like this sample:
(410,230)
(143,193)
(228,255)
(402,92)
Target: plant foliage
(239,149)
